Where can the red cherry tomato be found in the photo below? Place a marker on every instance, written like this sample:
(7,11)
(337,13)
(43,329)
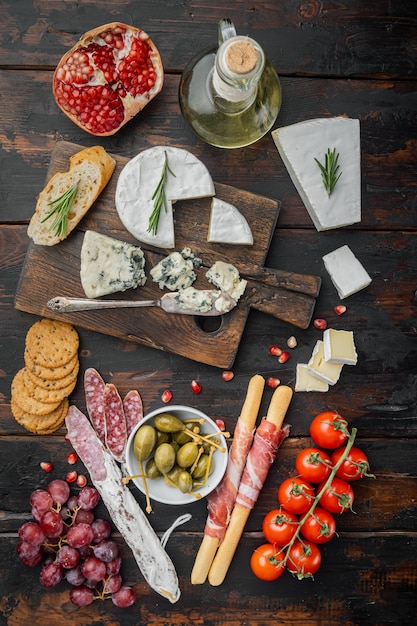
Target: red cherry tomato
(279,526)
(313,465)
(267,562)
(295,495)
(329,430)
(304,559)
(319,527)
(354,467)
(338,497)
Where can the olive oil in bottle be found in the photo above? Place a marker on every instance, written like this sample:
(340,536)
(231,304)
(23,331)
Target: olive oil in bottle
(230,96)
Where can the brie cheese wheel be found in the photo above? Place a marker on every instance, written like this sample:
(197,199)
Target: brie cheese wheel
(339,347)
(346,271)
(319,367)
(299,144)
(138,181)
(304,381)
(228,225)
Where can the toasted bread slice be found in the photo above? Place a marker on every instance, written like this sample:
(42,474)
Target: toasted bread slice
(92,169)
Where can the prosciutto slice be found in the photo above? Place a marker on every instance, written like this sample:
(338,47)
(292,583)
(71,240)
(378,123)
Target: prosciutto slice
(153,561)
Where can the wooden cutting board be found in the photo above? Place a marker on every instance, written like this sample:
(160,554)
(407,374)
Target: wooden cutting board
(55,271)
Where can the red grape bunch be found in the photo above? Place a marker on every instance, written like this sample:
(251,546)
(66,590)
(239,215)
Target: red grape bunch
(70,543)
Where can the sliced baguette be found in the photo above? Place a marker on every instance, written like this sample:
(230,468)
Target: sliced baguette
(93,168)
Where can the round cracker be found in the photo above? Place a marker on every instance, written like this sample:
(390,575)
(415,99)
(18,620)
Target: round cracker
(41,424)
(49,396)
(52,343)
(28,403)
(49,373)
(58,383)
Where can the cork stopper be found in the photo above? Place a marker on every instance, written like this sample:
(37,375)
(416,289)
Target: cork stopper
(241,57)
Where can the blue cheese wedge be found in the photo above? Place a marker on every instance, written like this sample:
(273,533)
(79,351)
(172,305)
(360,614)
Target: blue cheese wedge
(175,271)
(346,272)
(299,144)
(322,369)
(304,381)
(109,265)
(228,225)
(339,347)
(137,183)
(226,277)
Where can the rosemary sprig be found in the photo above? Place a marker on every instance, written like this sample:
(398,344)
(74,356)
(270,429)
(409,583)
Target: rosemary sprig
(329,171)
(60,208)
(159,198)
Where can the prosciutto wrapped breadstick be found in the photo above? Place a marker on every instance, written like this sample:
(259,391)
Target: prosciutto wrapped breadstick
(222,499)
(153,561)
(268,437)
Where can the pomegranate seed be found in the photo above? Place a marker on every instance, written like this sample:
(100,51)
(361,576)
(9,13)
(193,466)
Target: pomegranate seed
(283,358)
(272,382)
(340,309)
(166,396)
(275,351)
(320,324)
(71,477)
(220,424)
(291,342)
(72,458)
(81,480)
(196,387)
(46,466)
(227,375)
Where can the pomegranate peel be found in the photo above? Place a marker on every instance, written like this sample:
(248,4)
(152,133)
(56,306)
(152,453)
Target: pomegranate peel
(108,77)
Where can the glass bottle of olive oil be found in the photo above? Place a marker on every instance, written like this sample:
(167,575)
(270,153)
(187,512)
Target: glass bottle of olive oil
(230,96)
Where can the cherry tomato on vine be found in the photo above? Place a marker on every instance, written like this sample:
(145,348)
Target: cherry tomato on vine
(319,527)
(354,467)
(267,562)
(329,430)
(295,495)
(279,526)
(304,559)
(313,465)
(338,497)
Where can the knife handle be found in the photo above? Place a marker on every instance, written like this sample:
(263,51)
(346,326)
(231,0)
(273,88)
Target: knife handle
(299,283)
(295,308)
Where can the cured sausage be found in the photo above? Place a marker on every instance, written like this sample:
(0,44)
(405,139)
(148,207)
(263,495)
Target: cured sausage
(153,561)
(94,399)
(116,432)
(133,409)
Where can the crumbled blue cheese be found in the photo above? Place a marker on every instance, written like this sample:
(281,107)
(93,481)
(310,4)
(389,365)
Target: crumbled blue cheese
(199,300)
(109,265)
(175,271)
(226,277)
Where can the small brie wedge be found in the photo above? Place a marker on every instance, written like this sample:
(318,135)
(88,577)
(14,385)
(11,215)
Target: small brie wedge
(137,183)
(228,225)
(307,382)
(300,144)
(346,271)
(320,368)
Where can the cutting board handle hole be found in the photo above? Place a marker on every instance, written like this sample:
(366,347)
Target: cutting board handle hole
(209,324)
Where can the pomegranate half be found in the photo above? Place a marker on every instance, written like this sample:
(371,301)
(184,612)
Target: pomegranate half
(110,75)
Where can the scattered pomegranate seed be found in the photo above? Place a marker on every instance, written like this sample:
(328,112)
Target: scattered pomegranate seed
(283,357)
(272,382)
(72,458)
(81,480)
(227,375)
(340,309)
(220,424)
(166,396)
(291,342)
(196,387)
(46,466)
(320,324)
(71,477)
(275,351)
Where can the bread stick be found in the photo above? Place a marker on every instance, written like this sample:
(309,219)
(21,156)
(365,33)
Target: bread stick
(247,419)
(276,413)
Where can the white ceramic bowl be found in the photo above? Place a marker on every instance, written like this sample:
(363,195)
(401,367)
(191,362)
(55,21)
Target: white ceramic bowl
(157,488)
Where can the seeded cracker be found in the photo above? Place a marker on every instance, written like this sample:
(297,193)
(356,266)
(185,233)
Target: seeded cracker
(49,373)
(52,343)
(21,396)
(49,396)
(41,424)
(58,383)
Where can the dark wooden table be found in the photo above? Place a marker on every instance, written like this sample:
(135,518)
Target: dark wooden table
(357,59)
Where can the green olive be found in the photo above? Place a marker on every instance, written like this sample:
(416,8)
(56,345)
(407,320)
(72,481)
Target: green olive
(187,454)
(168,423)
(171,477)
(144,442)
(201,467)
(181,437)
(162,438)
(164,457)
(151,469)
(185,482)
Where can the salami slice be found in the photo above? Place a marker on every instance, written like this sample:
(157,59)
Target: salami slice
(94,398)
(151,558)
(133,409)
(116,433)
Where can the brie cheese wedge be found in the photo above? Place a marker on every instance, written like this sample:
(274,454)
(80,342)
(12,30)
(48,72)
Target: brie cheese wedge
(137,183)
(346,271)
(300,144)
(228,225)
(305,381)
(320,368)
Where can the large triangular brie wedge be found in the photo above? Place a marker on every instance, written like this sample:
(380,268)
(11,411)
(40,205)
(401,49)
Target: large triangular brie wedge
(300,144)
(228,225)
